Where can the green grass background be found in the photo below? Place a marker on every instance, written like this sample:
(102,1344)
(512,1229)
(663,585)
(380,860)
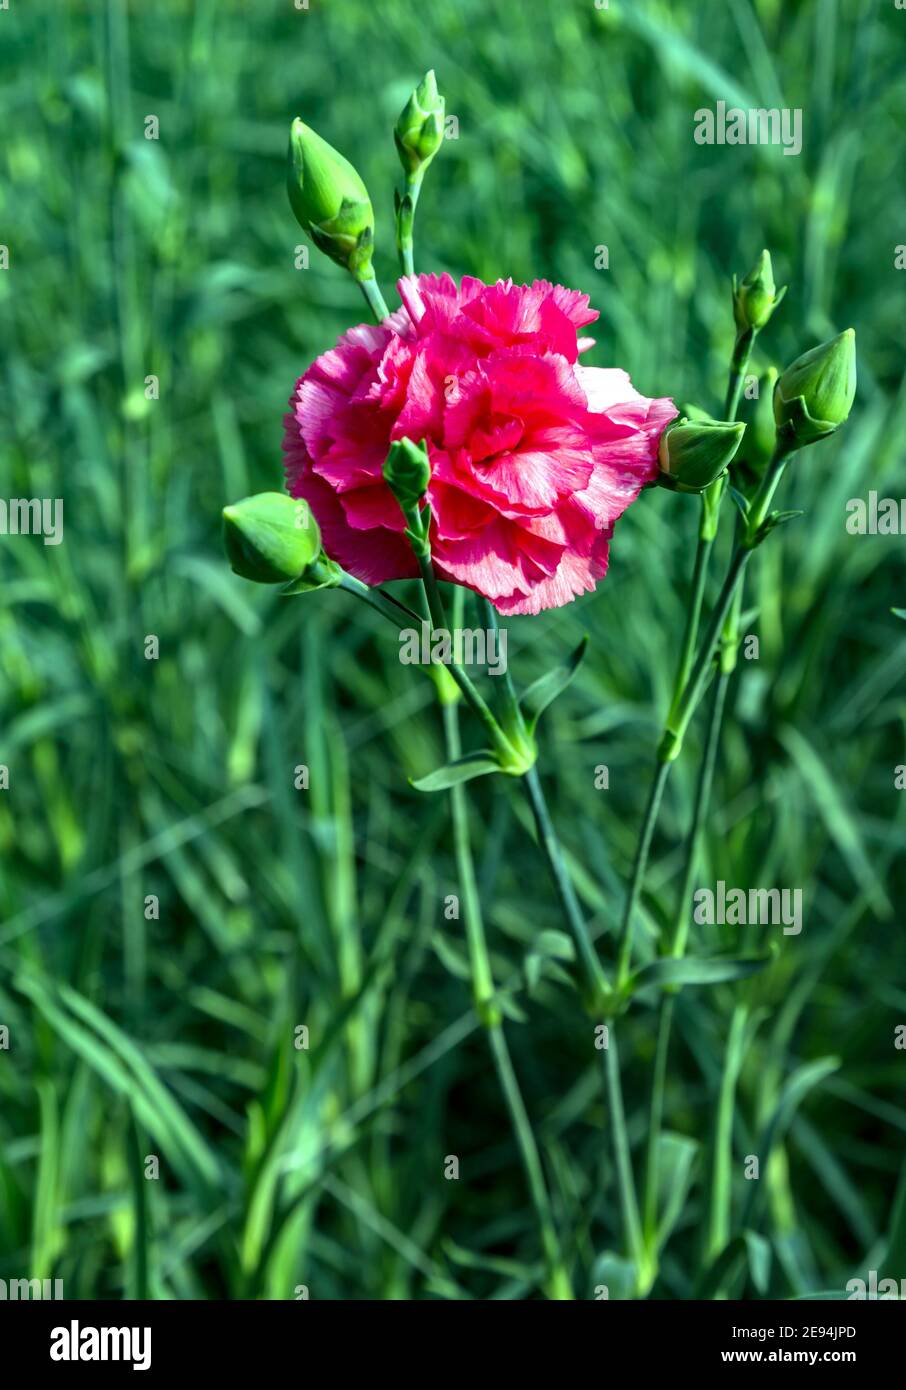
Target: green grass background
(129,777)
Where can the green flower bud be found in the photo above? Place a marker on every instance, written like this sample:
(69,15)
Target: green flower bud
(756,298)
(330,201)
(270,538)
(407,472)
(419,132)
(815,394)
(693,454)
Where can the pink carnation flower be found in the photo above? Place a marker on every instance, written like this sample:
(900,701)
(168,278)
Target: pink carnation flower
(533,457)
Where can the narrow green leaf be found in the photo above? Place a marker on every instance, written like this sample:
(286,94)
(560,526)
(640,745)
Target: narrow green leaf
(510,1008)
(451,956)
(739,502)
(697,970)
(120,1061)
(546,689)
(676,1156)
(462,770)
(795,1089)
(895,1259)
(838,818)
(758,1251)
(45,1231)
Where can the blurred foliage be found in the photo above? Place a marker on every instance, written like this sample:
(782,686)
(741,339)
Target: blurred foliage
(132,1034)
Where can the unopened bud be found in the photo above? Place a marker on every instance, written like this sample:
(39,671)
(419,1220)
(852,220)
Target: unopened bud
(694,453)
(407,472)
(419,132)
(815,394)
(270,538)
(330,201)
(756,297)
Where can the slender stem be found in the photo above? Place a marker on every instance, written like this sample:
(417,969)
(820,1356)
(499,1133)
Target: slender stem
(594,974)
(742,351)
(693,616)
(710,519)
(758,508)
(374,299)
(479,960)
(596,980)
(405,221)
(599,993)
(499,741)
(748,537)
(393,611)
(382,603)
(665,1021)
(719,1212)
(512,713)
(707,534)
(629,1206)
(678,946)
(558,1283)
(482,977)
(640,864)
(700,813)
(673,739)
(718,1229)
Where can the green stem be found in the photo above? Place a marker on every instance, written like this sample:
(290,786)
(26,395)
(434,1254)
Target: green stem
(710,519)
(382,603)
(718,1229)
(500,743)
(596,981)
(598,992)
(707,534)
(488,1010)
(760,504)
(405,221)
(394,611)
(693,613)
(665,1022)
(742,351)
(629,1207)
(747,538)
(699,813)
(512,713)
(672,741)
(729,601)
(677,948)
(482,978)
(558,1281)
(719,1212)
(681,713)
(374,299)
(640,864)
